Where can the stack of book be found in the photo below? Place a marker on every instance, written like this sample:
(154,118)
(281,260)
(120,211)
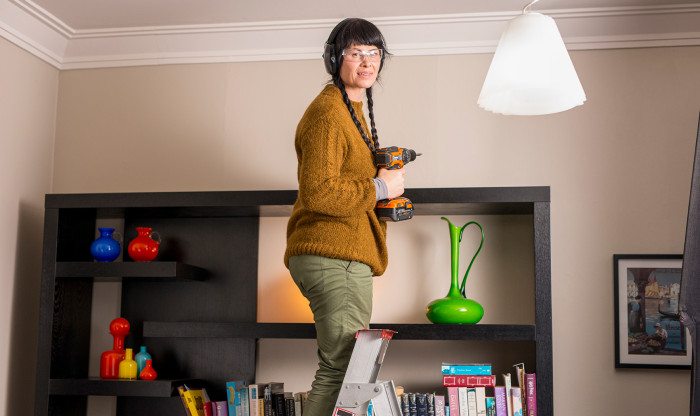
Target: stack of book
(472,391)
(264,399)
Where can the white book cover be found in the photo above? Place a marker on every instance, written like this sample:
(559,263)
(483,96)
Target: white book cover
(481,401)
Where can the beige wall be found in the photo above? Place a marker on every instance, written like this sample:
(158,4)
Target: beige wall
(28,91)
(619,169)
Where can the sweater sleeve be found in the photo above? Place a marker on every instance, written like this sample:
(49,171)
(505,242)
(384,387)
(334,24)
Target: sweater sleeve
(325,186)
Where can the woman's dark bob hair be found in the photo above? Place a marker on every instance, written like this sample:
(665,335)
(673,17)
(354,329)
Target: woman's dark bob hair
(356,31)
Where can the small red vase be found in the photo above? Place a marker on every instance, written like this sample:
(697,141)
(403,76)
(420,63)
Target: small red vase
(109,361)
(148,373)
(144,247)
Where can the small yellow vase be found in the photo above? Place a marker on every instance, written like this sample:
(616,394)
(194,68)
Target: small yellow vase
(128,367)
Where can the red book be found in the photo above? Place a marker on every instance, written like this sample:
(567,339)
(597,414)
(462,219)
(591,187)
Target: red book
(468,381)
(207,409)
(453,400)
(531,396)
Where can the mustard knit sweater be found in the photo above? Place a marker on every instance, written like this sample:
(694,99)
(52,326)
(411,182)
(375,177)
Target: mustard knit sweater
(334,212)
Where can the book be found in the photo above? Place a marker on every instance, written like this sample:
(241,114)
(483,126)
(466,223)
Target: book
(253,400)
(463,402)
(509,397)
(289,404)
(421,404)
(268,401)
(181,391)
(531,394)
(208,409)
(233,395)
(260,404)
(520,377)
(471,400)
(405,408)
(480,369)
(221,408)
(412,404)
(517,401)
(480,401)
(430,398)
(468,381)
(195,401)
(440,405)
(278,404)
(298,406)
(490,406)
(501,408)
(245,402)
(453,400)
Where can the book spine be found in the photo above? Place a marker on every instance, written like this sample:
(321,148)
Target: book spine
(466,369)
(480,401)
(277,404)
(501,408)
(244,408)
(471,400)
(297,404)
(490,406)
(463,401)
(509,397)
(517,401)
(289,406)
(439,405)
(453,400)
(405,407)
(412,404)
(207,409)
(531,394)
(430,397)
(421,404)
(469,381)
(221,409)
(253,400)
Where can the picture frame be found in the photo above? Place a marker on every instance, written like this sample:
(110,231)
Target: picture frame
(648,330)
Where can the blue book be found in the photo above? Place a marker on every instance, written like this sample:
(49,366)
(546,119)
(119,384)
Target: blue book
(466,369)
(233,395)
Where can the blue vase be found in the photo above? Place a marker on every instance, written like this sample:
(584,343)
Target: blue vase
(105,248)
(141,359)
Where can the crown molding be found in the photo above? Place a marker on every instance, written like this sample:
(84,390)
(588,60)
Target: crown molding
(42,34)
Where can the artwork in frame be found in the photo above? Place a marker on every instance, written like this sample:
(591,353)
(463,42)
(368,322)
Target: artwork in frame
(648,330)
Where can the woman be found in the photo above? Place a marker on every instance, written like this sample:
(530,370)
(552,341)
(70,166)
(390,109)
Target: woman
(335,243)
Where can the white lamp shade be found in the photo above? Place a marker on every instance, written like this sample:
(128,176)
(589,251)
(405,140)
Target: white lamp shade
(531,72)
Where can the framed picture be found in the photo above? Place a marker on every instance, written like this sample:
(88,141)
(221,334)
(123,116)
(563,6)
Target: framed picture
(648,330)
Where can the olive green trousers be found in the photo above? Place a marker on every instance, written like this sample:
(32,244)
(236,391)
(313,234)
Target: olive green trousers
(340,296)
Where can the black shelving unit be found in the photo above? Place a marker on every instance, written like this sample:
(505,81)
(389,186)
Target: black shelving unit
(199,298)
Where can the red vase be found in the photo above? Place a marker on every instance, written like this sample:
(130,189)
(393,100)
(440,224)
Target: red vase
(144,247)
(148,373)
(109,361)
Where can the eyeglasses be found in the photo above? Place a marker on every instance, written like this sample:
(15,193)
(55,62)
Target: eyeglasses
(357,55)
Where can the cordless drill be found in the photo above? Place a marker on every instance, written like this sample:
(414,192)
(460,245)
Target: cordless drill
(401,208)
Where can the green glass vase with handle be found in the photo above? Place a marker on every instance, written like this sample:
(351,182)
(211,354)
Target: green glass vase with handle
(455,308)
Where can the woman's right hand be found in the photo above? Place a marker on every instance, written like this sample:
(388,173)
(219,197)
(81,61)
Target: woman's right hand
(394,181)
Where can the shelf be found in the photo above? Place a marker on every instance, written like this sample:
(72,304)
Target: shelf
(100,387)
(427,201)
(146,271)
(484,332)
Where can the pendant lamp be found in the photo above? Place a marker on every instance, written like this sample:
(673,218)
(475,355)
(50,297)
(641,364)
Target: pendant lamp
(531,72)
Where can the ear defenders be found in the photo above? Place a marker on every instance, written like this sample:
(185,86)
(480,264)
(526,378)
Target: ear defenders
(330,60)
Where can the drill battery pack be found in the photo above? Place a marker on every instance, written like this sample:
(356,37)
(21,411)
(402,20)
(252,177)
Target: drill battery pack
(396,209)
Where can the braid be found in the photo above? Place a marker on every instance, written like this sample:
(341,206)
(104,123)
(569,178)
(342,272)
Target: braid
(370,104)
(355,119)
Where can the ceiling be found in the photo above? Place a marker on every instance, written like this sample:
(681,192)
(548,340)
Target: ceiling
(102,14)
(73,34)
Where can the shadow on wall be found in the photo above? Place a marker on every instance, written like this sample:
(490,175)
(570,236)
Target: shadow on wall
(25,311)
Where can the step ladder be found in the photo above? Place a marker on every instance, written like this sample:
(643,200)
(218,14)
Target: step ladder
(360,384)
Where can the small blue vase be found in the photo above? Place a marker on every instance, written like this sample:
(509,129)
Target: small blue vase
(141,359)
(105,248)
